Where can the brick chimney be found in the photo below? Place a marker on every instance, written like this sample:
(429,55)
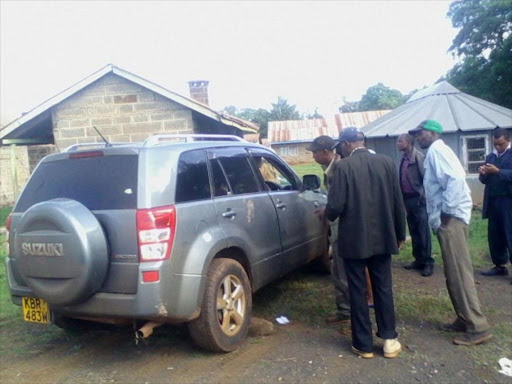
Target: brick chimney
(199,90)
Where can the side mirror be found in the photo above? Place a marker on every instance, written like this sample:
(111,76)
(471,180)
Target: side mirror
(311,182)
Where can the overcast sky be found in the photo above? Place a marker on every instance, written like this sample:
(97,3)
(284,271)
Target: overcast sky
(311,53)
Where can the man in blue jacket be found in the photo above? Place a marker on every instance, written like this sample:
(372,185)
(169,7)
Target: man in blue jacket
(496,174)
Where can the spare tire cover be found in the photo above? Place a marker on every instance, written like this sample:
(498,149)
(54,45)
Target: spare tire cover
(61,251)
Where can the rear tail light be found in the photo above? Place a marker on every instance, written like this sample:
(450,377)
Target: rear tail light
(150,276)
(156,229)
(82,155)
(8,223)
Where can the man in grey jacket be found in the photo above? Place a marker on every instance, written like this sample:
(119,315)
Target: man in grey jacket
(411,173)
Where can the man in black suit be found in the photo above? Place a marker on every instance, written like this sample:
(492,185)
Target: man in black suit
(365,195)
(496,174)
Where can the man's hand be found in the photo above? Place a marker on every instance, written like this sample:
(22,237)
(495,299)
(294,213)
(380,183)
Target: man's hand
(400,243)
(445,219)
(491,169)
(481,170)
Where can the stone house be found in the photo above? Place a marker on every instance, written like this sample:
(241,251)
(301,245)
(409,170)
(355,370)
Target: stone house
(122,106)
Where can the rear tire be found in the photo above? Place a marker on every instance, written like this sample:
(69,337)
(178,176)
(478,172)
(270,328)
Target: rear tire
(226,310)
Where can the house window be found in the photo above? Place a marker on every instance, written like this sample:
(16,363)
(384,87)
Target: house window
(288,150)
(475,148)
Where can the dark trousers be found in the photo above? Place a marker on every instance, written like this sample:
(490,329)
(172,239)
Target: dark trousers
(417,220)
(500,230)
(379,267)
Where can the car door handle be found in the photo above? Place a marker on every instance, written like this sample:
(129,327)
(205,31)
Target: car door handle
(280,205)
(229,214)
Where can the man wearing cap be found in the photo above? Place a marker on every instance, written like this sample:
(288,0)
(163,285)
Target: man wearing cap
(496,174)
(365,195)
(323,153)
(449,208)
(411,181)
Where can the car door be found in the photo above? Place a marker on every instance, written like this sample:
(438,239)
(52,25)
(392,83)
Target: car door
(245,212)
(301,229)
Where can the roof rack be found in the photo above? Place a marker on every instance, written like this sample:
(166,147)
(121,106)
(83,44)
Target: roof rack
(153,140)
(76,147)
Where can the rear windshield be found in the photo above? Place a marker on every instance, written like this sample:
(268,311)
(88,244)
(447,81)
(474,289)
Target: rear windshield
(107,182)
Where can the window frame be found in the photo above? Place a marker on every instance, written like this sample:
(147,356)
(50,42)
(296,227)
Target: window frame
(273,157)
(209,151)
(465,151)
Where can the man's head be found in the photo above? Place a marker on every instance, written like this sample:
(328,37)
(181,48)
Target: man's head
(405,142)
(323,149)
(427,132)
(500,139)
(350,138)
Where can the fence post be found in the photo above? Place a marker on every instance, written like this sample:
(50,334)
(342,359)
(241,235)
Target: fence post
(14,172)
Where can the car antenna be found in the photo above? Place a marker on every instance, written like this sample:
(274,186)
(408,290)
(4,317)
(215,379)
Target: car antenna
(107,144)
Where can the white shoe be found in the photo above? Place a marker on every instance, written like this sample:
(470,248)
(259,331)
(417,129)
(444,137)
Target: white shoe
(391,348)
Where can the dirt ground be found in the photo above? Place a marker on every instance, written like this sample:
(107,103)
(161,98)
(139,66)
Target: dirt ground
(296,353)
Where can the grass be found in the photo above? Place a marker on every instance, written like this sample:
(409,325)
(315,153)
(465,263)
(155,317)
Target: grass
(4,212)
(308,169)
(302,295)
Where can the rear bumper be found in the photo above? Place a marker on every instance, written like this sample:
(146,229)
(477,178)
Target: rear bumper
(175,298)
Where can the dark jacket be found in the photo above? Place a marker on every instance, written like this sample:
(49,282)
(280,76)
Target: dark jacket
(505,175)
(416,170)
(365,194)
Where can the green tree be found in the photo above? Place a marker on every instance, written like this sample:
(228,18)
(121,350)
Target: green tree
(260,116)
(314,115)
(484,44)
(283,111)
(380,97)
(349,106)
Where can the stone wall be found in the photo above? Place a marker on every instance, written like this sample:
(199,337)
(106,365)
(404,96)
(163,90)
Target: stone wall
(294,153)
(36,154)
(121,110)
(11,183)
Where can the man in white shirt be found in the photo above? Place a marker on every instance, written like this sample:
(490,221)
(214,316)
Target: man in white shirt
(449,208)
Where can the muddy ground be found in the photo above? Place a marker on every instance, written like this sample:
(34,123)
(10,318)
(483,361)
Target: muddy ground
(300,352)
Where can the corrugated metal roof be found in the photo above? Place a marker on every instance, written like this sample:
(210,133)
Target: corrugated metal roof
(300,130)
(306,130)
(443,102)
(185,101)
(358,119)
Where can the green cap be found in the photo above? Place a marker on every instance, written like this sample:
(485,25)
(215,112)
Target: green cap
(429,125)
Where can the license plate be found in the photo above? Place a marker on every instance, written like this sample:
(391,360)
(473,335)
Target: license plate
(35,310)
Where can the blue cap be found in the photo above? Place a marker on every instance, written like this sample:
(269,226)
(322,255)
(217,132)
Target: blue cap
(351,134)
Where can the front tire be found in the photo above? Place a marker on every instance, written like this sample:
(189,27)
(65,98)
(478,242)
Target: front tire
(225,315)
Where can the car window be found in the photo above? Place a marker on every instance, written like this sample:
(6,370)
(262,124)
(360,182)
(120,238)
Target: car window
(192,181)
(105,182)
(274,174)
(235,164)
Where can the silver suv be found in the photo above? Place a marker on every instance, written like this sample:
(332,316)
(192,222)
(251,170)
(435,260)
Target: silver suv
(164,232)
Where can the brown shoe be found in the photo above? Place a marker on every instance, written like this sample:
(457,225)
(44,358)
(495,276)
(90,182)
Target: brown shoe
(364,355)
(345,329)
(472,338)
(337,319)
(457,326)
